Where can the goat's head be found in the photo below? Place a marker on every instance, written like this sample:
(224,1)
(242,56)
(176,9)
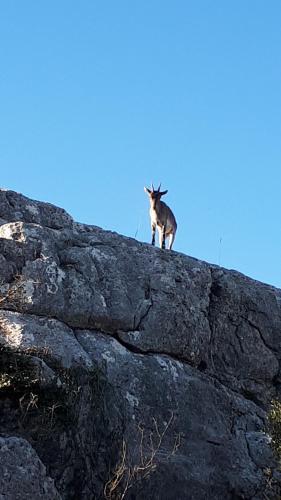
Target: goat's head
(155,194)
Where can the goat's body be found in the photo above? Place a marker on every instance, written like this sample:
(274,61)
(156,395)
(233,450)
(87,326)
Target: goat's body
(162,217)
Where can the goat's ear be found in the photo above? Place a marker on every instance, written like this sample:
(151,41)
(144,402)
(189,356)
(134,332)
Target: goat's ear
(147,190)
(163,192)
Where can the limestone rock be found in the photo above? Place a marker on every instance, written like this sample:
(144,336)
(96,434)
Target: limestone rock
(22,474)
(122,364)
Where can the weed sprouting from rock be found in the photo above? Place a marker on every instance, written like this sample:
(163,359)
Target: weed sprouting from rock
(274,418)
(131,470)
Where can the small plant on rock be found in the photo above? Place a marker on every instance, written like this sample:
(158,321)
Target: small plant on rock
(127,473)
(274,418)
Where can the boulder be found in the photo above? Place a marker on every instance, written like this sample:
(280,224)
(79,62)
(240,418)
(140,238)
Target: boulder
(22,474)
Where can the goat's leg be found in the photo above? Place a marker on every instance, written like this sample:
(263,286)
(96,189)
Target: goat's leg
(153,228)
(163,246)
(160,235)
(171,240)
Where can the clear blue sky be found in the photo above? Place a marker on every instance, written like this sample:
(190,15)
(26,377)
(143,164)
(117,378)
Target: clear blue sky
(99,98)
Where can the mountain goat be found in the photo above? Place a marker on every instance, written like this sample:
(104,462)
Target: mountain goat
(162,217)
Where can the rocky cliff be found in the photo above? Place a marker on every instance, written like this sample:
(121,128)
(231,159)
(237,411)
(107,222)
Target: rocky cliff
(127,371)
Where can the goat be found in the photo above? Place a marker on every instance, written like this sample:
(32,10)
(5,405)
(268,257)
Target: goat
(162,217)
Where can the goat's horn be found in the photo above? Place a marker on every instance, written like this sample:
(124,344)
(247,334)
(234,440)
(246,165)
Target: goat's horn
(159,186)
(152,186)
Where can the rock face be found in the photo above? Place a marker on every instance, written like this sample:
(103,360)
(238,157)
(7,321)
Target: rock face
(23,476)
(127,371)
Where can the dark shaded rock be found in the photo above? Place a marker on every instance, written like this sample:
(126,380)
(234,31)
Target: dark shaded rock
(22,474)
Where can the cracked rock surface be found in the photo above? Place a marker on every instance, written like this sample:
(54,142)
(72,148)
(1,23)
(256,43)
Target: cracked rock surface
(114,353)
